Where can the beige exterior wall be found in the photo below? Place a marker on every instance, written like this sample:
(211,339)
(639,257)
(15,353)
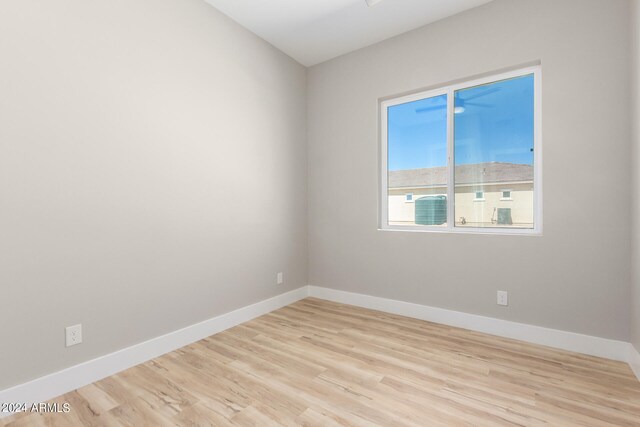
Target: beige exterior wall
(480,213)
(477,213)
(402,212)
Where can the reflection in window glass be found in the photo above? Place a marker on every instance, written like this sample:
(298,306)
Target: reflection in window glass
(493,146)
(417,161)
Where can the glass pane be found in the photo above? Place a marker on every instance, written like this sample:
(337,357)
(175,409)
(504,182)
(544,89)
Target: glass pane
(493,146)
(417,162)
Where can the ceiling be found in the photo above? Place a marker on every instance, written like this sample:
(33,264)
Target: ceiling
(313,31)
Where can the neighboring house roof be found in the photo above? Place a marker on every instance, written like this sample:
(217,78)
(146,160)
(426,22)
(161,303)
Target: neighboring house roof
(485,173)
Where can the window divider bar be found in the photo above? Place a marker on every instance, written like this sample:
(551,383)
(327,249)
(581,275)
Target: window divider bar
(450,159)
(384,165)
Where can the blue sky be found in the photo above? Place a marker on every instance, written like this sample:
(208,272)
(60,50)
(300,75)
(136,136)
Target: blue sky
(495,126)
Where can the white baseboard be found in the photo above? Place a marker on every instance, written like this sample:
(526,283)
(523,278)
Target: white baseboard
(634,360)
(586,344)
(59,383)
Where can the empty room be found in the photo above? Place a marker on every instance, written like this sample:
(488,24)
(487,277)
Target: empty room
(320,213)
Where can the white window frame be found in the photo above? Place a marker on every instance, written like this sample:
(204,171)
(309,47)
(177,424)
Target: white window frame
(412,198)
(450,90)
(476,198)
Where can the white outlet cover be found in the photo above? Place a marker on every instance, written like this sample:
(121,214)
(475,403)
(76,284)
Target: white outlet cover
(73,335)
(503,298)
(280,279)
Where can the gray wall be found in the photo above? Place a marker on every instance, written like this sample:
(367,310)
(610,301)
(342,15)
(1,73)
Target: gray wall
(152,174)
(635,159)
(576,276)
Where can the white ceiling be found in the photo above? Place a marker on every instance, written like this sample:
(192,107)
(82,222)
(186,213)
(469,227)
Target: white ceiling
(313,31)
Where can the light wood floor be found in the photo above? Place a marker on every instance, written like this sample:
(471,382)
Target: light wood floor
(321,363)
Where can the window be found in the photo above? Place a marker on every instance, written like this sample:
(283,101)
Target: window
(447,148)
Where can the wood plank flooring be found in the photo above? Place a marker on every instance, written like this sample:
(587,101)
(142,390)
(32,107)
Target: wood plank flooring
(326,364)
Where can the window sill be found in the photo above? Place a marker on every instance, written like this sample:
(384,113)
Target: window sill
(505,231)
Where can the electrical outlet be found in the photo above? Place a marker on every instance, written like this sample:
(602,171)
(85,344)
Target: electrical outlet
(73,335)
(503,298)
(280,279)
